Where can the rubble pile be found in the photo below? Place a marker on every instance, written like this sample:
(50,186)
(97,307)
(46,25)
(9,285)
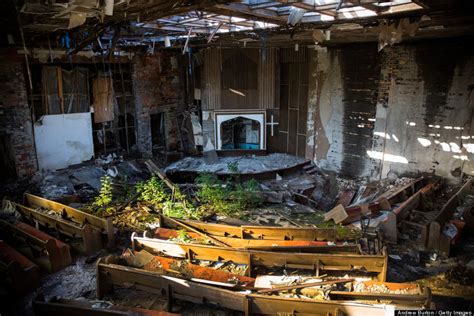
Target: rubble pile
(312,237)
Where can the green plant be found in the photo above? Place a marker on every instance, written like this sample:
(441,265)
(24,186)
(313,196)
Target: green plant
(211,189)
(233,167)
(179,207)
(229,198)
(152,191)
(105,194)
(247,195)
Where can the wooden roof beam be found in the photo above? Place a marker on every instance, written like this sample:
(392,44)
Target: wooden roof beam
(242,10)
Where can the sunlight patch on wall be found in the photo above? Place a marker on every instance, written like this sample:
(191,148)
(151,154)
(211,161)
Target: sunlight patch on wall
(469,147)
(424,142)
(455,148)
(386,157)
(382,134)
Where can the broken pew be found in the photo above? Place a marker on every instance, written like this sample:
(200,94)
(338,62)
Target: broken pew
(256,232)
(40,246)
(90,239)
(110,273)
(145,260)
(61,306)
(317,262)
(69,221)
(436,239)
(265,244)
(350,214)
(413,207)
(18,272)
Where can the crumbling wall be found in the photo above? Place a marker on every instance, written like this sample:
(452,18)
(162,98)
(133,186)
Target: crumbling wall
(157,88)
(406,109)
(342,107)
(15,115)
(424,120)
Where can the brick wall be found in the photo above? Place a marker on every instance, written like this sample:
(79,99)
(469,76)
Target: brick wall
(405,110)
(157,88)
(15,119)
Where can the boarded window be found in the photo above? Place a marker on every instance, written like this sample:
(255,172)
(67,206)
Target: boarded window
(65,91)
(103,92)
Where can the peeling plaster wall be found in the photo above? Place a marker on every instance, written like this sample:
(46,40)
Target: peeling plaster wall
(342,103)
(415,103)
(329,147)
(63,140)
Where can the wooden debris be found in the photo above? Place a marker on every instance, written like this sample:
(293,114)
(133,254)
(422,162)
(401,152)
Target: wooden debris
(179,223)
(183,268)
(303,285)
(156,171)
(337,214)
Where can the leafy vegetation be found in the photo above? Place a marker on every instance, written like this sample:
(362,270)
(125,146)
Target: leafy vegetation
(175,204)
(230,197)
(179,207)
(152,191)
(105,194)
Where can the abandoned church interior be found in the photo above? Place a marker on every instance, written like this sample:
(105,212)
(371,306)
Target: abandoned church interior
(237,157)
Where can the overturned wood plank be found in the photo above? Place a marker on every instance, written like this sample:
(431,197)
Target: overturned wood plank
(257,232)
(338,214)
(268,245)
(56,251)
(372,264)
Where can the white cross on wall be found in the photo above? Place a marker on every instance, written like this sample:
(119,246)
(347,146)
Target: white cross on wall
(271,123)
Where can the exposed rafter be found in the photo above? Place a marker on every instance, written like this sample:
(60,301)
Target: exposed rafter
(244,11)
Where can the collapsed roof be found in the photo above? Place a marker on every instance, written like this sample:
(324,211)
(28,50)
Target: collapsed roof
(125,23)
